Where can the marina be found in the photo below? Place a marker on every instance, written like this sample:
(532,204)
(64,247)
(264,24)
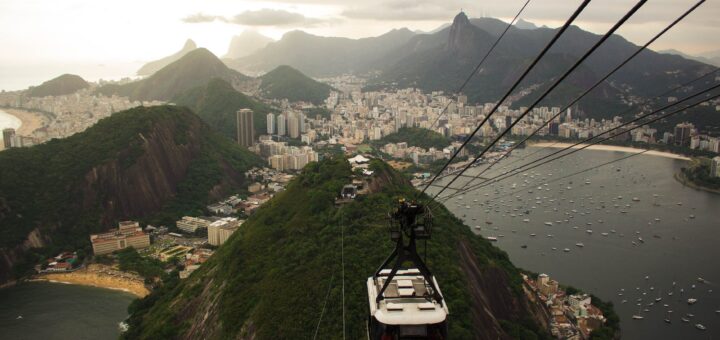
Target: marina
(640,237)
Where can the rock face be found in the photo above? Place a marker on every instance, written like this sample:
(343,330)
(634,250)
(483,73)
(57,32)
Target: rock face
(246,43)
(132,165)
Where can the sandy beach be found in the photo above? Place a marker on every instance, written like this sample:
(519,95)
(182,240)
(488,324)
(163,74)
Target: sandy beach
(602,147)
(31,121)
(97,275)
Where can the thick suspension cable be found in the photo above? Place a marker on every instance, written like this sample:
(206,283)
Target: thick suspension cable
(512,88)
(584,146)
(555,84)
(598,83)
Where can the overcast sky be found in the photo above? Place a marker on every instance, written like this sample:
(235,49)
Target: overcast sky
(98,31)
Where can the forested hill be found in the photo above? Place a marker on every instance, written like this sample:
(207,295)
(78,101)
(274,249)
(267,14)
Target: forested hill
(285,82)
(271,279)
(150,163)
(62,85)
(217,103)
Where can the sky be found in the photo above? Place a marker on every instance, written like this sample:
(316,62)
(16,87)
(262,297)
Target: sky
(43,36)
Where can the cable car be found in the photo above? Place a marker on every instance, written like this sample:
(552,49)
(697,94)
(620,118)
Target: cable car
(406,302)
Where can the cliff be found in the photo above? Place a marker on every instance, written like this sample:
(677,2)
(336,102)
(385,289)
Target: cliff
(149,163)
(274,276)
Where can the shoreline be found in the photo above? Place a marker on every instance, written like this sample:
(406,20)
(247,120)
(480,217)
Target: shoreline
(31,121)
(96,275)
(682,179)
(602,147)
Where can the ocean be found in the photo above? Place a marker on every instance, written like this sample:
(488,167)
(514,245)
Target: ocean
(45,310)
(676,248)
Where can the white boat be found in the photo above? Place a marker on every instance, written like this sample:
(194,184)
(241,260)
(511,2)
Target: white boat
(636,199)
(691,216)
(700,327)
(579,244)
(492,238)
(549,224)
(589,231)
(691,301)
(533,235)
(638,317)
(526,220)
(684,319)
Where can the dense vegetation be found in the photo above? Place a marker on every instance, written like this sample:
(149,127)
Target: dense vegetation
(699,173)
(415,136)
(217,103)
(62,85)
(43,186)
(147,267)
(271,278)
(196,68)
(285,82)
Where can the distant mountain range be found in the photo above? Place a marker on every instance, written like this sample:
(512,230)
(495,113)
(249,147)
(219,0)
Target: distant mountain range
(712,58)
(246,43)
(156,65)
(62,85)
(322,56)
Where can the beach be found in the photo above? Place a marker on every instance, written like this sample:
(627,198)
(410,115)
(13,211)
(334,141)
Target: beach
(31,121)
(602,147)
(98,275)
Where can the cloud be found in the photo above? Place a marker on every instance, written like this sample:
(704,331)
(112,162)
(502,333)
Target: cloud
(198,18)
(263,17)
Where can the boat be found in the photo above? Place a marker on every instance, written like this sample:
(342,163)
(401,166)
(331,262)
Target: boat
(526,220)
(667,320)
(684,319)
(19,317)
(533,235)
(579,244)
(691,216)
(691,301)
(638,317)
(700,327)
(589,231)
(549,224)
(636,199)
(567,250)
(523,246)
(492,238)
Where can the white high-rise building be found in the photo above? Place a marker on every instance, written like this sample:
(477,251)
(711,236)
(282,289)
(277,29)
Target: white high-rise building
(281,125)
(270,123)
(293,126)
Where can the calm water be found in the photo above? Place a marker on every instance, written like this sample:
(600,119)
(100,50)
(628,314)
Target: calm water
(676,248)
(8,121)
(60,311)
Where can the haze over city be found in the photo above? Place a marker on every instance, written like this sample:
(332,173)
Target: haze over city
(402,169)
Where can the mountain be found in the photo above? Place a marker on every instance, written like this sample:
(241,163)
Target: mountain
(150,163)
(246,43)
(455,51)
(525,25)
(62,85)
(271,278)
(285,82)
(217,103)
(156,65)
(194,69)
(709,59)
(319,56)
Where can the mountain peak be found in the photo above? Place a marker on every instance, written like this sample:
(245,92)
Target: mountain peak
(189,45)
(461,19)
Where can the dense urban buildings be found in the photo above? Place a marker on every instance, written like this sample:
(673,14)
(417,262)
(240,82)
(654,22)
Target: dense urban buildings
(8,135)
(190,224)
(245,128)
(128,234)
(220,230)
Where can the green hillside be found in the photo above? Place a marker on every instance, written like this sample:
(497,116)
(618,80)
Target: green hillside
(62,85)
(217,103)
(270,280)
(156,65)
(195,68)
(419,137)
(149,163)
(285,82)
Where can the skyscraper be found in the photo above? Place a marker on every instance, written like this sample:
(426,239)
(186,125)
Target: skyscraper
(293,126)
(682,133)
(270,123)
(245,132)
(8,135)
(281,130)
